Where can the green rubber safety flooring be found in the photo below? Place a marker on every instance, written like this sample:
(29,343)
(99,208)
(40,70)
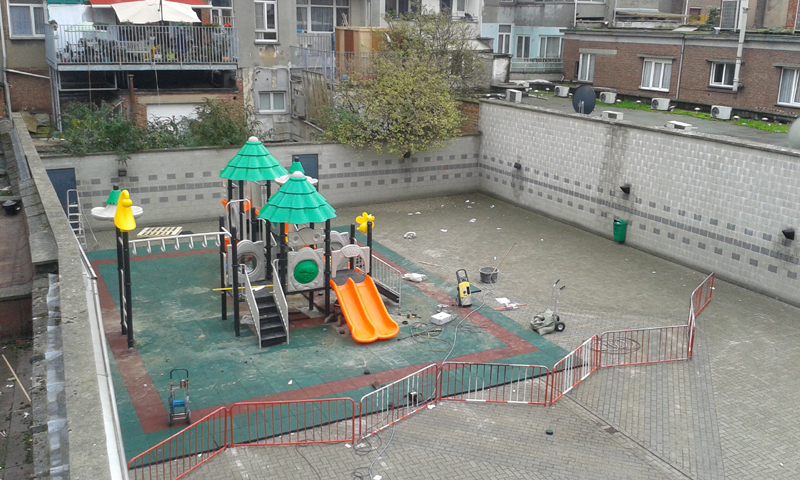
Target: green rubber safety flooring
(177,324)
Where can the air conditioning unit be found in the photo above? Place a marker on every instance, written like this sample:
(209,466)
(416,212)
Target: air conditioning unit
(514,96)
(611,115)
(676,125)
(562,91)
(608,97)
(720,112)
(659,104)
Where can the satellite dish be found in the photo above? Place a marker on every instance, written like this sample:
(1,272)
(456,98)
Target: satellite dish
(584,99)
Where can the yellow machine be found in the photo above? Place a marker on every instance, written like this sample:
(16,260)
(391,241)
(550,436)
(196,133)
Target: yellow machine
(464,293)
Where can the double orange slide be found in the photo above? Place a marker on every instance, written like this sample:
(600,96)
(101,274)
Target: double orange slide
(364,311)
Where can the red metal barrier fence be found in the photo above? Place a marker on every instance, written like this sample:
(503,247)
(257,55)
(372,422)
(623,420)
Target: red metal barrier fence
(574,368)
(490,382)
(643,345)
(183,452)
(287,423)
(334,420)
(699,299)
(397,400)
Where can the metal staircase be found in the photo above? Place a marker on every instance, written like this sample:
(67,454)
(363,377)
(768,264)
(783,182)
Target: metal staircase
(269,312)
(270,324)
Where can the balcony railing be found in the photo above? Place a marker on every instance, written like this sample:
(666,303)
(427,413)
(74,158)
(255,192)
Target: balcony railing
(316,41)
(140,44)
(333,63)
(537,65)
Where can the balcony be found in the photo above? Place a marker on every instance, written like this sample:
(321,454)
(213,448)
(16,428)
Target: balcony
(316,41)
(333,65)
(537,65)
(140,47)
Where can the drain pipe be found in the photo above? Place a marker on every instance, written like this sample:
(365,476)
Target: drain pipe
(5,63)
(740,47)
(680,69)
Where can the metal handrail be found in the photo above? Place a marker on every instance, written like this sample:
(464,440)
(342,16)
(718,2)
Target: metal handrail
(251,302)
(162,241)
(280,300)
(108,399)
(388,277)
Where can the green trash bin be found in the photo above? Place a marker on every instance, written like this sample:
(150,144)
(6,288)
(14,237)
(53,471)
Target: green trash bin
(620,227)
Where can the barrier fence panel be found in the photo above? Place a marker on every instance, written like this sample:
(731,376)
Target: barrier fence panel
(397,400)
(644,345)
(183,452)
(572,369)
(698,301)
(292,422)
(489,382)
(702,294)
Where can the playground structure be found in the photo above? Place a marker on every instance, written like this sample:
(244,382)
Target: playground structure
(281,250)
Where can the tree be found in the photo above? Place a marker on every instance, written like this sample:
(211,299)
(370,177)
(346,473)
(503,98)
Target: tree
(404,101)
(404,106)
(439,40)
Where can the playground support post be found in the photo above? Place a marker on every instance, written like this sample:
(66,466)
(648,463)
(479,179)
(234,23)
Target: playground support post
(352,241)
(234,262)
(230,197)
(268,239)
(369,244)
(121,280)
(128,304)
(327,259)
(222,268)
(282,256)
(241,211)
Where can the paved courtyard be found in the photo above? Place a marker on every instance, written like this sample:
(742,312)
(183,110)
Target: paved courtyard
(730,412)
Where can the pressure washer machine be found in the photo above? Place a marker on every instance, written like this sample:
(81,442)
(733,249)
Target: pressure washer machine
(464,292)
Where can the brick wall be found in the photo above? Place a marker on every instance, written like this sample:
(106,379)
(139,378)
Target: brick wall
(140,108)
(760,78)
(712,204)
(30,93)
(470,112)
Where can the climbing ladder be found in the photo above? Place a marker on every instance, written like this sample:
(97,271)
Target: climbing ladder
(269,311)
(75,216)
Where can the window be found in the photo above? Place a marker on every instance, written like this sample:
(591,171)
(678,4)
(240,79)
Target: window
(271,102)
(266,26)
(400,7)
(26,18)
(656,73)
(789,93)
(222,12)
(550,47)
(504,39)
(523,46)
(461,5)
(722,75)
(322,15)
(586,67)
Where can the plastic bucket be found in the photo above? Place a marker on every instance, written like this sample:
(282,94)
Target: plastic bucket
(620,228)
(488,275)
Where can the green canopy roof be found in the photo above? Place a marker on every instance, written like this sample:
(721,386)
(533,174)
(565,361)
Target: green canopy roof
(113,197)
(253,163)
(297,202)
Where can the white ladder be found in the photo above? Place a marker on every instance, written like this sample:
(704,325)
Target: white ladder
(75,216)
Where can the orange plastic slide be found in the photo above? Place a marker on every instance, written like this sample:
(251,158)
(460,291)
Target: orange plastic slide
(364,311)
(385,327)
